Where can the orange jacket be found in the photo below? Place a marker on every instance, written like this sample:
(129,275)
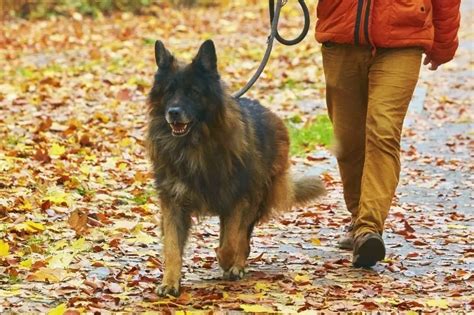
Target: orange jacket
(431,24)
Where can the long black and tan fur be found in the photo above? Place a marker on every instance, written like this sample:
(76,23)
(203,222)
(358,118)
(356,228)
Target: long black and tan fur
(215,155)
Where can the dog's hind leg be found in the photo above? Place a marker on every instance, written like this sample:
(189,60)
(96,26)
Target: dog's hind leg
(175,226)
(236,229)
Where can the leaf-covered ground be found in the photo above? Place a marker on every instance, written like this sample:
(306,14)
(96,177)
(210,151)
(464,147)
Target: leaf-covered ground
(78,215)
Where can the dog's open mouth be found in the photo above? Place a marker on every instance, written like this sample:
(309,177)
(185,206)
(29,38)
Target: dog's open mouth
(180,129)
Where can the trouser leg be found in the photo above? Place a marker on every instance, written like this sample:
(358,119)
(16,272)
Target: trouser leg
(346,73)
(393,75)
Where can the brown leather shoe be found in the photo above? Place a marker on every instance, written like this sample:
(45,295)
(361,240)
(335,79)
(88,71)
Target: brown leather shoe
(369,248)
(347,240)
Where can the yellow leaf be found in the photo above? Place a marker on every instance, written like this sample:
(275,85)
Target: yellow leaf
(457,227)
(26,205)
(302,278)
(6,163)
(102,117)
(438,303)
(385,300)
(4,249)
(26,263)
(91,157)
(60,244)
(316,241)
(80,245)
(60,260)
(13,292)
(125,142)
(35,226)
(85,169)
(261,286)
(256,308)
(192,312)
(58,197)
(48,275)
(56,150)
(58,310)
(137,229)
(29,227)
(122,166)
(143,238)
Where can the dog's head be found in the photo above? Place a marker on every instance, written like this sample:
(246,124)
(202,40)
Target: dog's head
(186,97)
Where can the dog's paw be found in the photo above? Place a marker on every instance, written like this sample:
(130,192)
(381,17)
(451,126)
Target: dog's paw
(164,290)
(234,273)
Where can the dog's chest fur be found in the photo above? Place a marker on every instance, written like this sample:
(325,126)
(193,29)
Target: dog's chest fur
(205,178)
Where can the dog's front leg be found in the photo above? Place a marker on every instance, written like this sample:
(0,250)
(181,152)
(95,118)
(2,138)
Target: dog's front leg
(175,226)
(234,247)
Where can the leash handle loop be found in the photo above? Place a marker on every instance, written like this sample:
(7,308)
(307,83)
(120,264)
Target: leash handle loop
(304,32)
(274,17)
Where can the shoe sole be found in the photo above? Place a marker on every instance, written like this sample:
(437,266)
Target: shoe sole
(369,253)
(346,246)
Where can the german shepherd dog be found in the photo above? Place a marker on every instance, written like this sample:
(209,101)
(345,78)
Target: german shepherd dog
(213,154)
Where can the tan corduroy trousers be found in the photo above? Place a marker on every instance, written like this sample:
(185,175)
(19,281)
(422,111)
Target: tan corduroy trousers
(367,98)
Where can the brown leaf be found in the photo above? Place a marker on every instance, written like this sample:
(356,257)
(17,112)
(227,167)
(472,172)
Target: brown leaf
(50,81)
(124,95)
(256,259)
(85,141)
(370,305)
(78,221)
(408,227)
(42,156)
(45,124)
(46,205)
(409,305)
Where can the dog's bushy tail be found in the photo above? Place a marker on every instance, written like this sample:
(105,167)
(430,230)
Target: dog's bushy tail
(306,189)
(289,191)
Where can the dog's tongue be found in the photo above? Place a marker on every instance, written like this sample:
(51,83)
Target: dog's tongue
(178,125)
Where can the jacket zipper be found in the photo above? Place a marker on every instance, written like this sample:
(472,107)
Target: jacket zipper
(360,4)
(361,32)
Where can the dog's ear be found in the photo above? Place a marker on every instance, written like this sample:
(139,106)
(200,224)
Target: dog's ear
(206,57)
(162,56)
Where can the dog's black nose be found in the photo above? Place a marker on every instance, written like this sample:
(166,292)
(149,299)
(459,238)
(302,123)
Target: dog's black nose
(175,113)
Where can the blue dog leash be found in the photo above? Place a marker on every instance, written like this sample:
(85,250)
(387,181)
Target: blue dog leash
(274,17)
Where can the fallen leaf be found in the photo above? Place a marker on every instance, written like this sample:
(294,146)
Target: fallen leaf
(78,221)
(316,241)
(48,275)
(56,150)
(4,248)
(29,227)
(115,287)
(302,279)
(58,310)
(251,308)
(441,303)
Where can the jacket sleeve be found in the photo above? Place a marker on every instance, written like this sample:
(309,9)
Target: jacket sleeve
(446,19)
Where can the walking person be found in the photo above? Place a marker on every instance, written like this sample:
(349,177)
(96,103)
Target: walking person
(372,51)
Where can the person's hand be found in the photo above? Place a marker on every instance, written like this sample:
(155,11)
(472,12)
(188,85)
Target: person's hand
(433,64)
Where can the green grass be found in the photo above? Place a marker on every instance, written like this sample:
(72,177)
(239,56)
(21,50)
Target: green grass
(142,199)
(304,138)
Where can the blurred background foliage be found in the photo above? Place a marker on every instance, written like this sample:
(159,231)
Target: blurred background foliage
(34,9)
